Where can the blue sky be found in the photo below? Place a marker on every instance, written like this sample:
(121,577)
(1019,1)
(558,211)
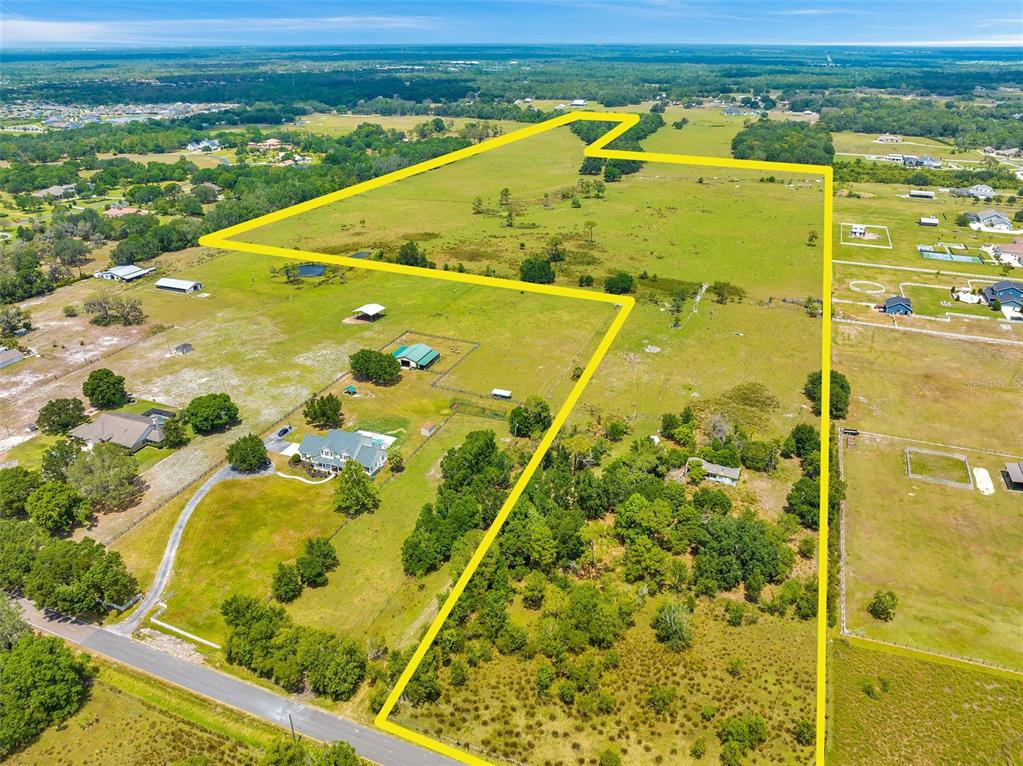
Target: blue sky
(90,23)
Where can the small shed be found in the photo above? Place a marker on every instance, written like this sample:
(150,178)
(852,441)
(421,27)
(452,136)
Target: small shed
(183,348)
(428,429)
(180,286)
(350,390)
(921,194)
(929,220)
(897,305)
(1013,475)
(9,356)
(501,393)
(371,312)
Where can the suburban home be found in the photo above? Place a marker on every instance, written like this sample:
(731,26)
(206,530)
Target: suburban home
(1011,254)
(9,356)
(127,273)
(1013,475)
(371,312)
(210,185)
(329,453)
(930,162)
(889,138)
(977,191)
(897,305)
(118,211)
(59,191)
(722,474)
(929,220)
(921,194)
(418,356)
(133,432)
(180,286)
(990,219)
(1006,293)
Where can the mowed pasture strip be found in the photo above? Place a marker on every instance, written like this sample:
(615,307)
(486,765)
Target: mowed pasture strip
(980,715)
(949,557)
(662,220)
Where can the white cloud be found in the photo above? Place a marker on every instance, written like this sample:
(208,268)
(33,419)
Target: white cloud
(23,31)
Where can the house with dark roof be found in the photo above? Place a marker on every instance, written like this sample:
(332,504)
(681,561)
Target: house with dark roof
(1013,475)
(329,453)
(722,474)
(133,432)
(1006,293)
(418,356)
(897,305)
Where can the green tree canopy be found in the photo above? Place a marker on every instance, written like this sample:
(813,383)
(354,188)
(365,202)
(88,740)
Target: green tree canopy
(210,412)
(247,453)
(375,366)
(105,390)
(57,507)
(355,493)
(59,416)
(106,476)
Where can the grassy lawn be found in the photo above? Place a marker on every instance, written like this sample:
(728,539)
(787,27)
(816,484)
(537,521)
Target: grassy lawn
(941,467)
(866,143)
(973,378)
(931,713)
(330,124)
(663,220)
(948,553)
(130,720)
(499,713)
(29,454)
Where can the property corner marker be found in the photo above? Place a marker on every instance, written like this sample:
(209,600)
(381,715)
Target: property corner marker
(223,239)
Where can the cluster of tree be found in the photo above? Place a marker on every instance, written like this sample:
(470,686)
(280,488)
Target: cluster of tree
(323,411)
(13,321)
(354,491)
(311,568)
(839,394)
(105,389)
(247,453)
(107,309)
(784,141)
(264,640)
(376,366)
(739,735)
(210,412)
(998,176)
(613,170)
(475,479)
(20,274)
(294,752)
(72,577)
(42,682)
(531,418)
(967,125)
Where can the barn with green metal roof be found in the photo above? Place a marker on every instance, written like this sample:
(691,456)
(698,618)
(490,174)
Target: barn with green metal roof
(418,356)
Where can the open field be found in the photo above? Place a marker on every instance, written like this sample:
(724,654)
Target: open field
(938,466)
(947,552)
(709,132)
(929,714)
(498,712)
(662,220)
(130,720)
(202,159)
(866,143)
(930,388)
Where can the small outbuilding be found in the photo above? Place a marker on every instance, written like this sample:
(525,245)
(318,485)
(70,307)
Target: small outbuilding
(183,348)
(350,390)
(929,220)
(1013,475)
(898,305)
(921,194)
(9,356)
(127,273)
(418,356)
(371,312)
(428,429)
(180,286)
(501,393)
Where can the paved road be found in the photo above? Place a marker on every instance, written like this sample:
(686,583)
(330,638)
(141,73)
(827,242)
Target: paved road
(128,626)
(275,708)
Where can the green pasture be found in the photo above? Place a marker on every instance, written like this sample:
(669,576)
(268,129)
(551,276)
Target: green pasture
(947,552)
(915,386)
(891,710)
(941,467)
(700,224)
(332,124)
(866,143)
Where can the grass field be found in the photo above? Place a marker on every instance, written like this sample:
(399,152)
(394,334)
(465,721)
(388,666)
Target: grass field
(866,143)
(948,553)
(940,467)
(130,720)
(662,220)
(947,377)
(498,712)
(930,713)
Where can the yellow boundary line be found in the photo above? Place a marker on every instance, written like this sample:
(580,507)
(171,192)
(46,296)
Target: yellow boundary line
(222,239)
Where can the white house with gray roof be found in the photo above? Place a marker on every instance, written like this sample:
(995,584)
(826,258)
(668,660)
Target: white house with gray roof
(329,453)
